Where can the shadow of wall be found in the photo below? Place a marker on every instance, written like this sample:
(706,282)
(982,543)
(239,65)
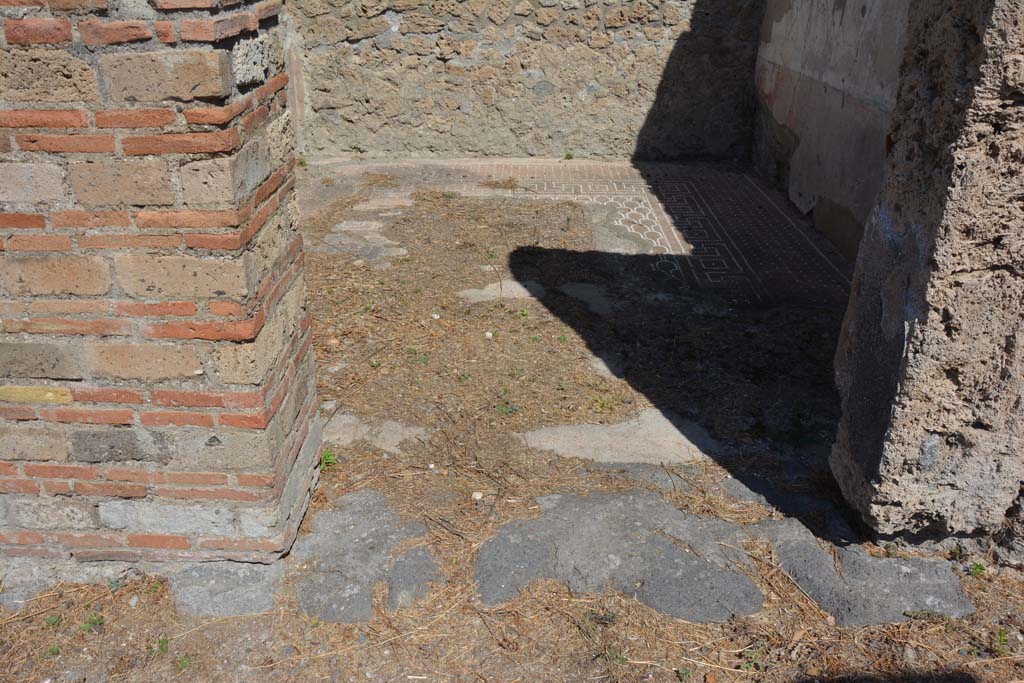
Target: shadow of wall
(758,377)
(676,356)
(704,103)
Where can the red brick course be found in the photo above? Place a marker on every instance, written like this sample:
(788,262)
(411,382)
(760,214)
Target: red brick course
(22,220)
(39,243)
(125,292)
(90,219)
(134,118)
(218,28)
(182,143)
(95,32)
(45,118)
(36,31)
(158,541)
(66,143)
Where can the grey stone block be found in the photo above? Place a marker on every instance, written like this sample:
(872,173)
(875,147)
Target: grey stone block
(350,550)
(37,512)
(39,360)
(118,444)
(222,589)
(34,442)
(683,565)
(654,436)
(410,577)
(146,516)
(23,578)
(861,590)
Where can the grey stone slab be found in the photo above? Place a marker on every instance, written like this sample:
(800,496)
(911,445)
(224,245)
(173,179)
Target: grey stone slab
(506,289)
(665,478)
(24,578)
(335,596)
(384,202)
(222,589)
(362,517)
(678,478)
(411,576)
(861,590)
(740,491)
(358,226)
(681,564)
(610,364)
(594,296)
(653,437)
(361,239)
(350,550)
(22,581)
(388,435)
(52,512)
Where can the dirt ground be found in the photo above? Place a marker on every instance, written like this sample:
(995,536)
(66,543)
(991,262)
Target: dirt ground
(394,340)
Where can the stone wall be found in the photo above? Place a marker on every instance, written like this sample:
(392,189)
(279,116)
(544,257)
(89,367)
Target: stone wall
(591,78)
(930,365)
(156,376)
(827,76)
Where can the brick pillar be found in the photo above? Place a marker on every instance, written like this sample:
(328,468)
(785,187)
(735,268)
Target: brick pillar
(156,376)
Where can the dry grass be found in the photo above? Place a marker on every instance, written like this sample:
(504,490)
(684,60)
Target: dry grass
(502,184)
(382,354)
(379,180)
(547,634)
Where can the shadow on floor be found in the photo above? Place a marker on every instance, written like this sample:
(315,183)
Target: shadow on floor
(736,337)
(758,379)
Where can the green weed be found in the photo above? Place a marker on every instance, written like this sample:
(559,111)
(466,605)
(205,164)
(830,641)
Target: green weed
(92,622)
(328,458)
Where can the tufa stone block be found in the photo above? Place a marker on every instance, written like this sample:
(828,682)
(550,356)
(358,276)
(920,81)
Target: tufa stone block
(166,75)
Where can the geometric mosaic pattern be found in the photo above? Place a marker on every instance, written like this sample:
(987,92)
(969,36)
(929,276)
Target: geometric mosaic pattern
(716,228)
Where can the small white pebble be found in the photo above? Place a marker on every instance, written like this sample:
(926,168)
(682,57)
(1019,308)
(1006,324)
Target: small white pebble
(488,335)
(435,316)
(133,601)
(477,495)
(430,466)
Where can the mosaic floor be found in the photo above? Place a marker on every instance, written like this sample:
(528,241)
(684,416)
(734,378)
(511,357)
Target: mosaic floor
(716,229)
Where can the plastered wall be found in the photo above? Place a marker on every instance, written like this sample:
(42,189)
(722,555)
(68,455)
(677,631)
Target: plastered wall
(827,77)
